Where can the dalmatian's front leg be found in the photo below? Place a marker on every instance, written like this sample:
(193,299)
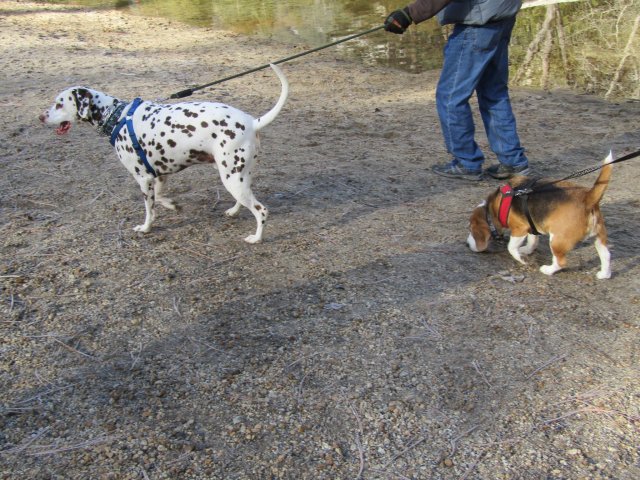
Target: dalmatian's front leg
(147,185)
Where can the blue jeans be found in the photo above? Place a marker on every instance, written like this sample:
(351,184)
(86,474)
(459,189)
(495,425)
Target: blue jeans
(476,58)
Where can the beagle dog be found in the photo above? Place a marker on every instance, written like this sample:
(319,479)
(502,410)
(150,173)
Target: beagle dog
(567,212)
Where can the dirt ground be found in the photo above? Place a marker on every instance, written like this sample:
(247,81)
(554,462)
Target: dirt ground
(361,339)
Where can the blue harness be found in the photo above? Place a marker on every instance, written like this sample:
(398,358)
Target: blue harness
(134,140)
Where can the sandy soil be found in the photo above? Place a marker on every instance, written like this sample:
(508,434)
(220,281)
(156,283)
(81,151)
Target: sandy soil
(361,339)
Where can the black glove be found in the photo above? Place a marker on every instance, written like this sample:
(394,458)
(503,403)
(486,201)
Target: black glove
(398,21)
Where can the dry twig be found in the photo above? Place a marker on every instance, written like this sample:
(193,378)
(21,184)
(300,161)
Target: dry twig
(473,466)
(454,442)
(42,450)
(411,446)
(546,364)
(359,434)
(625,55)
(22,447)
(476,366)
(71,349)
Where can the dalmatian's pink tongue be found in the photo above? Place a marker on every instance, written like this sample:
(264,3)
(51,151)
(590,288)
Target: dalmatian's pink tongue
(63,128)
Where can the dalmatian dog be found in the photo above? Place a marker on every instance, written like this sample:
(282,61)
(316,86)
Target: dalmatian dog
(154,140)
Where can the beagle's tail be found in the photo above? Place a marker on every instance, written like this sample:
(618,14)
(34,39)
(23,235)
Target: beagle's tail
(267,118)
(597,191)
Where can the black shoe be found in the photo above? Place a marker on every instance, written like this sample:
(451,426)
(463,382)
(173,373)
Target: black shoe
(502,172)
(455,170)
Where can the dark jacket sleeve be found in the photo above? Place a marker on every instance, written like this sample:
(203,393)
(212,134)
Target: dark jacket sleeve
(421,10)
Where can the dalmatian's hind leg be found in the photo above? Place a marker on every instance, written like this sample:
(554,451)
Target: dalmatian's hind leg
(161,183)
(240,187)
(233,211)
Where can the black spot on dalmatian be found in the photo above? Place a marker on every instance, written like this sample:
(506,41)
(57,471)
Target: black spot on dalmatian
(224,123)
(204,124)
(171,143)
(200,156)
(230,133)
(240,126)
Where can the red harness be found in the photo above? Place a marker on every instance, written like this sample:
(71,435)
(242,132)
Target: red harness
(507,199)
(505,204)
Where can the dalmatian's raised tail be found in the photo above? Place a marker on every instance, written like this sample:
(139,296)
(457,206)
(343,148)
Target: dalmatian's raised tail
(270,116)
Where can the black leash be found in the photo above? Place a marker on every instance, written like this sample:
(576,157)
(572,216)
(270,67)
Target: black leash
(598,167)
(528,187)
(189,91)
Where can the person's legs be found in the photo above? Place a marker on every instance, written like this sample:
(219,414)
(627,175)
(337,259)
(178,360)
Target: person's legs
(493,101)
(467,55)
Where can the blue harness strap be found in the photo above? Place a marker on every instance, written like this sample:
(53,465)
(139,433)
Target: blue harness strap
(128,120)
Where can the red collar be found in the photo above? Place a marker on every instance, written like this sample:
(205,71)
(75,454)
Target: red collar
(505,204)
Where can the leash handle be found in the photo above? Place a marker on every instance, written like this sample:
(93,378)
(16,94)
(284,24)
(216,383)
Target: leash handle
(183,93)
(189,91)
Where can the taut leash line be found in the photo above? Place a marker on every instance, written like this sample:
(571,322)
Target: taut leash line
(529,186)
(598,167)
(189,91)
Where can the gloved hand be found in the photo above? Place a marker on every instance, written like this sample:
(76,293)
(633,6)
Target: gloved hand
(398,21)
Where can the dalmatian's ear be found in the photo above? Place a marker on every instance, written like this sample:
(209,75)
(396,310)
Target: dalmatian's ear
(84,105)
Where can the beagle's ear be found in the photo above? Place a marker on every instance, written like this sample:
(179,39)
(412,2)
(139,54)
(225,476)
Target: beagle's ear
(83,99)
(480,234)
